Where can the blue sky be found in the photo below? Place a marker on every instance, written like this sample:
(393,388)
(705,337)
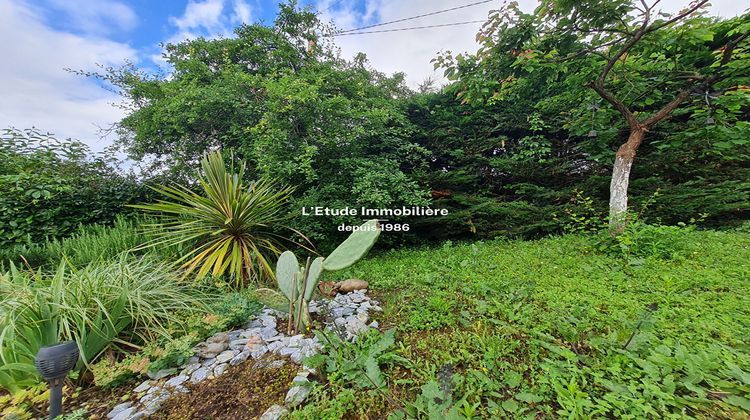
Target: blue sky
(41,38)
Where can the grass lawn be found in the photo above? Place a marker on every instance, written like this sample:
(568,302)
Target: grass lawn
(538,328)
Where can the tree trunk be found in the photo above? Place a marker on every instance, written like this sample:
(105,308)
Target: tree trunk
(618,188)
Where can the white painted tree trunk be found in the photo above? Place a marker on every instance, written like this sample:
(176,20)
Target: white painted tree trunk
(618,187)
(618,193)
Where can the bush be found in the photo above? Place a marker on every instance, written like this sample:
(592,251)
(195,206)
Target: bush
(640,240)
(49,187)
(102,306)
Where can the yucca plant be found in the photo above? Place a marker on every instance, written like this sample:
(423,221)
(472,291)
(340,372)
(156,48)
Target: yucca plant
(228,229)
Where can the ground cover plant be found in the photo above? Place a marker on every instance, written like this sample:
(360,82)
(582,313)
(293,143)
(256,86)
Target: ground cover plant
(559,327)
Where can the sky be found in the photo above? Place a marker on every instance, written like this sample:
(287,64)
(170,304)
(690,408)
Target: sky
(41,39)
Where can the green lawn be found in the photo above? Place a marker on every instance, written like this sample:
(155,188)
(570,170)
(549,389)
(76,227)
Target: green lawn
(538,328)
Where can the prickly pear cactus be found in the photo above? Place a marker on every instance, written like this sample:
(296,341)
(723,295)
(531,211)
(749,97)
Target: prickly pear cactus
(354,247)
(286,268)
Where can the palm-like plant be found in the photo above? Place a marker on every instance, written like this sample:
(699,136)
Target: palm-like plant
(229,226)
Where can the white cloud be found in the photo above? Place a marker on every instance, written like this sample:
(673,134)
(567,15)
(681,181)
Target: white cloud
(210,19)
(411,51)
(37,91)
(97,17)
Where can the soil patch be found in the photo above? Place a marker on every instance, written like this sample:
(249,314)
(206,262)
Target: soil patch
(244,391)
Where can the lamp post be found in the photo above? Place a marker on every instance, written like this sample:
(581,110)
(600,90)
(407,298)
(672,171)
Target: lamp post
(54,363)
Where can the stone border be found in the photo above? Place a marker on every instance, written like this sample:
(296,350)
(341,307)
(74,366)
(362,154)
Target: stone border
(348,314)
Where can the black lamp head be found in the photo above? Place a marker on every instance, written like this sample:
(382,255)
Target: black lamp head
(54,362)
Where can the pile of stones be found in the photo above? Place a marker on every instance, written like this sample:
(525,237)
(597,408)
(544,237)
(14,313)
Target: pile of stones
(348,314)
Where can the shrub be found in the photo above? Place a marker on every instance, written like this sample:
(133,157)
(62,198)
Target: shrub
(230,227)
(101,306)
(89,244)
(640,240)
(48,187)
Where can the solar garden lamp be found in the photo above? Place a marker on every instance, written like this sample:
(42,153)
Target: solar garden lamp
(54,363)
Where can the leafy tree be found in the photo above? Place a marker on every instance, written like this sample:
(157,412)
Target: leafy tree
(280,99)
(645,64)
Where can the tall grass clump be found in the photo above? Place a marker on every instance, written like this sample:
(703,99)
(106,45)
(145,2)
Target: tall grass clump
(92,243)
(113,306)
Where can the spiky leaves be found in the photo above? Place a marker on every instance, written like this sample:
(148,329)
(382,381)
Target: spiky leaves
(228,228)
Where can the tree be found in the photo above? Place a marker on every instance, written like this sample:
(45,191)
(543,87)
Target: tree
(644,63)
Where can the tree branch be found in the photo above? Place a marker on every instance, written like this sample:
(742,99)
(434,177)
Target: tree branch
(687,12)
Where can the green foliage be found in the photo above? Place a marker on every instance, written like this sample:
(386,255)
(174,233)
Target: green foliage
(100,306)
(229,228)
(298,283)
(92,243)
(640,240)
(539,328)
(356,364)
(48,187)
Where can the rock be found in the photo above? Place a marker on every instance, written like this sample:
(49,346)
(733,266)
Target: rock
(124,414)
(119,408)
(276,364)
(250,332)
(239,358)
(194,359)
(211,350)
(296,356)
(176,381)
(287,350)
(341,312)
(138,416)
(268,332)
(258,352)
(301,378)
(221,337)
(240,342)
(355,326)
(226,356)
(190,368)
(374,324)
(208,362)
(339,322)
(351,285)
(162,373)
(363,317)
(219,369)
(296,395)
(274,412)
(199,375)
(143,387)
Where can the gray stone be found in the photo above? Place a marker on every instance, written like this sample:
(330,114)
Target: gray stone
(190,368)
(239,358)
(226,356)
(276,364)
(194,359)
(268,332)
(208,362)
(258,352)
(238,342)
(143,387)
(210,350)
(341,311)
(274,338)
(119,408)
(162,373)
(287,350)
(363,317)
(296,356)
(124,414)
(339,322)
(219,369)
(355,326)
(374,324)
(176,381)
(301,378)
(199,375)
(250,332)
(138,416)
(296,395)
(274,412)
